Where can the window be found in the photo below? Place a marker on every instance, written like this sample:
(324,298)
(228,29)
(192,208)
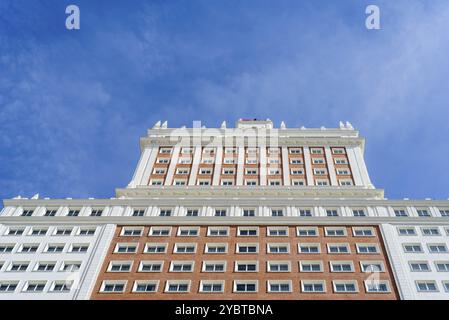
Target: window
(50,212)
(13,231)
(319,172)
(358,213)
(155,248)
(363,232)
(247,248)
(332,212)
(335,232)
(230,150)
(279,286)
(159,171)
(145,286)
(446,286)
(340,161)
(343,171)
(203,182)
(277,212)
(96,212)
(246,266)
(18,266)
(296,182)
(251,171)
(277,231)
(430,231)
(214,266)
(182,171)
(295,150)
(126,248)
(249,212)
(163,160)
(28,248)
(35,286)
(278,266)
(216,248)
(444,212)
(310,266)
(131,232)
(188,231)
(160,231)
(437,248)
(442,266)
(309,248)
(228,171)
(316,150)
(341,266)
(205,171)
(120,266)
(296,161)
(407,231)
(313,286)
(338,248)
(54,248)
(45,266)
(245,286)
(211,286)
(63,232)
(39,231)
(307,231)
(151,266)
(220,212)
(138,212)
(419,266)
(426,286)
(187,150)
(165,150)
(345,286)
(377,286)
(181,266)
(8,286)
(113,286)
(68,266)
(367,248)
(251,161)
(278,248)
(59,286)
(227,182)
(423,213)
(165,212)
(185,248)
(274,161)
(86,231)
(180,182)
(156,182)
(177,286)
(251,182)
(247,232)
(185,161)
(345,182)
(228,161)
(274,182)
(338,150)
(305,212)
(410,248)
(79,248)
(27,213)
(372,266)
(218,231)
(400,213)
(73,213)
(318,161)
(6,248)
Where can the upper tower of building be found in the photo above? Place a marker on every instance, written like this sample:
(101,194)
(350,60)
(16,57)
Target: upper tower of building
(253,155)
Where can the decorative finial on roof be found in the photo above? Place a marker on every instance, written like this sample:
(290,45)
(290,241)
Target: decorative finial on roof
(223,125)
(342,125)
(283,126)
(349,125)
(157,125)
(164,125)
(35,197)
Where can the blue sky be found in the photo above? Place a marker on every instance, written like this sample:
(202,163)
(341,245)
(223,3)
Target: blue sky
(73,104)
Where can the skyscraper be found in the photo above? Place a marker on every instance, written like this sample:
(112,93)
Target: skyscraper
(251,212)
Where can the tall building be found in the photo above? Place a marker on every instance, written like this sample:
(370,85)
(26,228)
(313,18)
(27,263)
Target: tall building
(251,212)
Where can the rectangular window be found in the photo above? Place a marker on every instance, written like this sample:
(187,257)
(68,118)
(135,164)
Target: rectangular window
(145,286)
(120,266)
(203,182)
(277,212)
(86,231)
(444,212)
(73,213)
(70,266)
(308,248)
(185,248)
(211,286)
(131,232)
(442,266)
(249,212)
(188,231)
(316,151)
(18,266)
(251,171)
(180,182)
(407,231)
(28,248)
(345,286)
(6,248)
(126,248)
(430,231)
(363,232)
(372,266)
(247,248)
(419,266)
(151,266)
(165,212)
(35,286)
(54,248)
(218,231)
(214,266)
(220,212)
(159,171)
(296,182)
(295,150)
(279,286)
(296,161)
(305,212)
(216,248)
(412,248)
(277,231)
(182,171)
(340,161)
(181,266)
(227,182)
(297,171)
(156,182)
(96,212)
(61,286)
(160,231)
(332,212)
(343,171)
(248,231)
(113,286)
(163,160)
(338,248)
(341,266)
(245,286)
(155,248)
(63,231)
(27,213)
(367,248)
(437,248)
(338,150)
(423,213)
(278,266)
(45,266)
(317,286)
(311,266)
(14,231)
(79,248)
(39,231)
(177,286)
(400,213)
(318,161)
(319,172)
(307,231)
(165,150)
(138,212)
(50,212)
(8,286)
(335,232)
(205,171)
(377,286)
(426,286)
(246,266)
(280,248)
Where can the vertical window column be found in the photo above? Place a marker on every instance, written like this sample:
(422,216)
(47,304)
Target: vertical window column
(217,165)
(308,166)
(285,166)
(263,166)
(240,164)
(195,163)
(330,166)
(144,167)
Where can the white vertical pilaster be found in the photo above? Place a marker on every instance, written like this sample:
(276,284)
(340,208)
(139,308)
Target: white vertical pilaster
(145,177)
(217,166)
(143,161)
(330,166)
(172,167)
(195,163)
(263,166)
(353,165)
(362,166)
(285,166)
(240,163)
(308,166)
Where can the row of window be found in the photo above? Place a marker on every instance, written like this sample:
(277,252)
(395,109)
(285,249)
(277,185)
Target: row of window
(418,248)
(425,231)
(40,266)
(47,248)
(423,266)
(252,182)
(250,160)
(233,150)
(246,266)
(249,231)
(43,231)
(246,211)
(274,248)
(39,286)
(252,171)
(245,286)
